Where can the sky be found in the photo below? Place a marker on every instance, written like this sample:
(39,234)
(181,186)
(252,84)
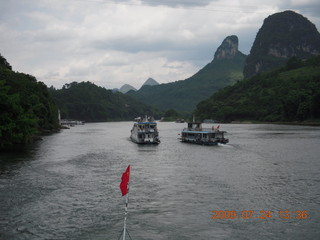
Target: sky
(117,42)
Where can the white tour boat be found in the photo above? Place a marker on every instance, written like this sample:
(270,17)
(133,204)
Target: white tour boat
(145,131)
(195,133)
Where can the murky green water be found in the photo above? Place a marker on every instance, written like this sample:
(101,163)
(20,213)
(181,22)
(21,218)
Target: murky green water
(67,185)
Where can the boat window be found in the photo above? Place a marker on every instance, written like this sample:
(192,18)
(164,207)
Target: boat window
(219,135)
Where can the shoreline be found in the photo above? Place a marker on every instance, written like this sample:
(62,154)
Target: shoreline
(316,124)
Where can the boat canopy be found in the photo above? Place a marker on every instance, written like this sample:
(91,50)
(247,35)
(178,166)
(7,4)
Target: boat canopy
(201,132)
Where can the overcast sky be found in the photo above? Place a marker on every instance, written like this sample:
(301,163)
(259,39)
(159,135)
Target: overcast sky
(113,42)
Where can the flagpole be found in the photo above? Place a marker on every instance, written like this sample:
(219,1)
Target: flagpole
(124,186)
(125,216)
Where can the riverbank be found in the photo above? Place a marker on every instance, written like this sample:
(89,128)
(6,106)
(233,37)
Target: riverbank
(304,123)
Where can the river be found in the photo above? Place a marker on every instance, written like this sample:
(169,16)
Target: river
(263,184)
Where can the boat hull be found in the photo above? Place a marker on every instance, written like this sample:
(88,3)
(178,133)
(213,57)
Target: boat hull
(144,141)
(196,134)
(201,142)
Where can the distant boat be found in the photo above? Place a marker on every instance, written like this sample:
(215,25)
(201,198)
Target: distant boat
(145,131)
(194,133)
(71,123)
(208,121)
(180,120)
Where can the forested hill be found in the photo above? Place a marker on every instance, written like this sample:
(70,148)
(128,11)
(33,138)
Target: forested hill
(225,69)
(283,35)
(291,93)
(26,107)
(89,102)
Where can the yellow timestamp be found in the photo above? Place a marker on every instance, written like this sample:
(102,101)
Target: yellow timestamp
(252,214)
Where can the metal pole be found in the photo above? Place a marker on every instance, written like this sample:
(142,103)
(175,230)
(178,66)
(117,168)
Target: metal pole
(125,216)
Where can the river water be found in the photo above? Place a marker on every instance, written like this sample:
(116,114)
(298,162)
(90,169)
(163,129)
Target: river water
(67,185)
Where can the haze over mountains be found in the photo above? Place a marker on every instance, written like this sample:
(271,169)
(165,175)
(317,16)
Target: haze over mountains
(150,82)
(126,88)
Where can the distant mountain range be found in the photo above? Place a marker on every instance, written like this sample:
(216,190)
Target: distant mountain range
(150,82)
(127,87)
(225,69)
(282,36)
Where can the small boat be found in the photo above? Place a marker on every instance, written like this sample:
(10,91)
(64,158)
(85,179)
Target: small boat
(145,131)
(180,120)
(195,133)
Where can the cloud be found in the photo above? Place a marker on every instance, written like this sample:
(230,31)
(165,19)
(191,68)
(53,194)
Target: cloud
(115,42)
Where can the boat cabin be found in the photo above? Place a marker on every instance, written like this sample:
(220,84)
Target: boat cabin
(194,133)
(145,131)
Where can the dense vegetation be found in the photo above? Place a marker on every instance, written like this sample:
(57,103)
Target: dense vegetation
(291,93)
(89,102)
(26,107)
(184,95)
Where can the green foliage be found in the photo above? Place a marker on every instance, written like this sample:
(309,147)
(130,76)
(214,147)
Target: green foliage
(91,103)
(171,115)
(288,94)
(184,95)
(293,63)
(26,108)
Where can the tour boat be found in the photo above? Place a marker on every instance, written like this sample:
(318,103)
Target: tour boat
(145,131)
(195,133)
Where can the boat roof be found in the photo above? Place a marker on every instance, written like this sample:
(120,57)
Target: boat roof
(196,131)
(205,131)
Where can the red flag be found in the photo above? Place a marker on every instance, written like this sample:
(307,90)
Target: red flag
(124,181)
(218,127)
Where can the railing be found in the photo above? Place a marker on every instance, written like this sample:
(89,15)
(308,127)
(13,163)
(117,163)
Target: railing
(200,129)
(147,130)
